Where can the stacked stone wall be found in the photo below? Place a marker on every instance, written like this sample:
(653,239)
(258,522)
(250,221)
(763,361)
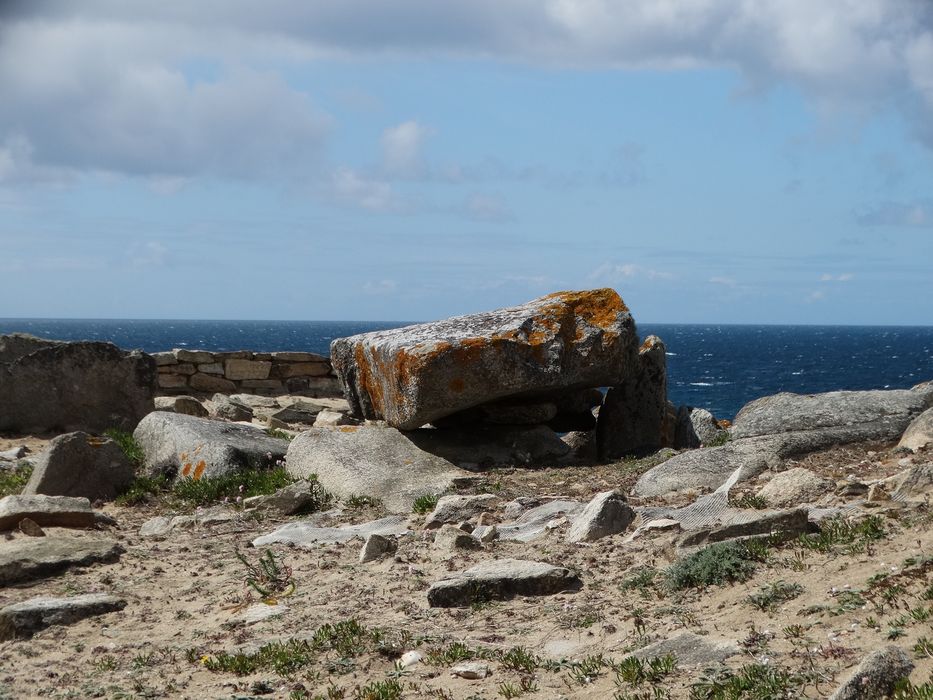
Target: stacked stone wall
(267,373)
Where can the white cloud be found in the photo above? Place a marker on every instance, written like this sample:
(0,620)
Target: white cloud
(842,277)
(613,273)
(401,147)
(351,188)
(724,281)
(900,214)
(489,208)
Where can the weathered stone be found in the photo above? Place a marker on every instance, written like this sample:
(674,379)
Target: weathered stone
(919,433)
(795,486)
(471,670)
(211,368)
(331,419)
(247,369)
(195,356)
(222,406)
(185,368)
(582,445)
(186,405)
(299,357)
(288,500)
(916,484)
(76,386)
(30,528)
(254,401)
(265,386)
(13,454)
(162,525)
(210,383)
(452,509)
(32,558)
(691,650)
(283,370)
(28,617)
(414,375)
(306,534)
(632,419)
(315,387)
(376,547)
(234,355)
(77,464)
(299,412)
(163,359)
(491,445)
(876,675)
(742,524)
(696,427)
(499,580)
(17,345)
(607,514)
(534,522)
(48,511)
(851,415)
(450,538)
(172,381)
(187,446)
(374,461)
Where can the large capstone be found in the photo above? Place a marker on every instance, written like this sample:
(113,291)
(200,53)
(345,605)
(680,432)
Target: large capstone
(561,342)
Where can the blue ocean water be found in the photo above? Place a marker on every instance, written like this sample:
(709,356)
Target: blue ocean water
(719,368)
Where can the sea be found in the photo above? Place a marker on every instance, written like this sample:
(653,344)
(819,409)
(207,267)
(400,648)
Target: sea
(717,367)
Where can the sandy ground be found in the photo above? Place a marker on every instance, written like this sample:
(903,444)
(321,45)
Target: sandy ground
(186,592)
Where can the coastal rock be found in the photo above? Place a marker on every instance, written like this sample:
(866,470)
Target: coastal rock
(453,509)
(32,558)
(919,433)
(607,514)
(17,345)
(850,416)
(307,534)
(633,417)
(28,617)
(75,386)
(222,406)
(696,427)
(77,464)
(371,460)
(299,412)
(499,580)
(411,376)
(46,511)
(795,486)
(491,445)
(876,675)
(186,405)
(178,445)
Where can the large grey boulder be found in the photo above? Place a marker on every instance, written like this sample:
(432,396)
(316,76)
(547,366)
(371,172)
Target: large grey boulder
(38,557)
(187,446)
(187,405)
(606,514)
(222,406)
(876,675)
(46,511)
(28,617)
(696,427)
(78,464)
(796,486)
(75,386)
(919,433)
(370,460)
(633,418)
(499,580)
(850,416)
(411,376)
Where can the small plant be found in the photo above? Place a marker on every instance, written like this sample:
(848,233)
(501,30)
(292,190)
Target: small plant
(142,490)
(641,580)
(520,659)
(905,690)
(280,434)
(634,672)
(924,647)
(12,481)
(720,563)
(389,689)
(751,682)
(588,670)
(774,593)
(231,487)
(424,504)
(128,444)
(451,654)
(750,501)
(838,533)
(268,577)
(360,502)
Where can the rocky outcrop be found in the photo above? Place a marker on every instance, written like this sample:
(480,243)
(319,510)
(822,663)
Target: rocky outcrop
(46,511)
(78,464)
(499,580)
(919,433)
(73,386)
(795,486)
(876,675)
(375,461)
(32,558)
(562,342)
(28,617)
(696,427)
(607,514)
(186,446)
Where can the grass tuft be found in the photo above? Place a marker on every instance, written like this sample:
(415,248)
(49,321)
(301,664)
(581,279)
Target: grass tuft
(424,504)
(128,444)
(720,563)
(12,481)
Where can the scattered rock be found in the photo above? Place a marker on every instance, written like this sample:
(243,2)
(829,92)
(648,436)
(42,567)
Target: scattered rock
(162,525)
(696,427)
(535,522)
(876,675)
(451,538)
(299,412)
(56,386)
(691,650)
(851,489)
(371,460)
(607,514)
(919,433)
(410,658)
(740,524)
(30,616)
(178,445)
(331,419)
(916,484)
(186,405)
(254,401)
(795,486)
(77,464)
(47,511)
(452,509)
(582,444)
(222,406)
(306,534)
(499,580)
(30,528)
(376,547)
(288,500)
(411,376)
(13,454)
(471,670)
(32,558)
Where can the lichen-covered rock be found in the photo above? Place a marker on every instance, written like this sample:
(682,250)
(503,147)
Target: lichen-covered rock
(74,386)
(634,417)
(413,375)
(78,464)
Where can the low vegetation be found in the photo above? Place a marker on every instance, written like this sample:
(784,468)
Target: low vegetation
(14,479)
(725,562)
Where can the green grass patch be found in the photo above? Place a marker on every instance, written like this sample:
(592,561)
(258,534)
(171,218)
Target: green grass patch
(770,596)
(749,502)
(143,490)
(724,562)
(424,504)
(243,484)
(12,481)
(750,682)
(128,444)
(839,533)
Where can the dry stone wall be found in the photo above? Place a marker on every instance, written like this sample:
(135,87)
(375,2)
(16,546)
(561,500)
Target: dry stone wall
(266,373)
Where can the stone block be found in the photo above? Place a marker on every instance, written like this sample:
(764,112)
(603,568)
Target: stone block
(210,383)
(247,369)
(285,370)
(173,381)
(212,368)
(298,357)
(195,356)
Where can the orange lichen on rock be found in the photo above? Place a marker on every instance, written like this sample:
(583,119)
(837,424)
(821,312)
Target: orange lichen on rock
(598,307)
(199,470)
(186,470)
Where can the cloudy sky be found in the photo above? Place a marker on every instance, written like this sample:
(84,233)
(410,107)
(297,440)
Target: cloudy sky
(730,161)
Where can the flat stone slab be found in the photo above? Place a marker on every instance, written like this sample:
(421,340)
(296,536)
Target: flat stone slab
(46,511)
(28,617)
(306,534)
(535,522)
(374,461)
(499,580)
(691,649)
(454,509)
(38,557)
(413,375)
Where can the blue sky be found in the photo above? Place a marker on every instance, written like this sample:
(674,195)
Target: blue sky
(713,161)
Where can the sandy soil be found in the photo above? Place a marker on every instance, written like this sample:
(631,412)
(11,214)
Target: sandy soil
(185,594)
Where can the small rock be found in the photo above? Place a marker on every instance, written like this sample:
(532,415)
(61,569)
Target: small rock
(222,406)
(920,432)
(490,535)
(450,538)
(78,464)
(299,412)
(916,484)
(607,514)
(376,547)
(187,405)
(29,559)
(276,424)
(452,509)
(48,511)
(466,526)
(878,493)
(410,658)
(876,675)
(306,534)
(851,489)
(30,527)
(30,616)
(288,500)
(327,418)
(794,487)
(499,580)
(13,455)
(471,670)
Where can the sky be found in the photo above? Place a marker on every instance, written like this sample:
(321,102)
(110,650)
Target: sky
(714,161)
